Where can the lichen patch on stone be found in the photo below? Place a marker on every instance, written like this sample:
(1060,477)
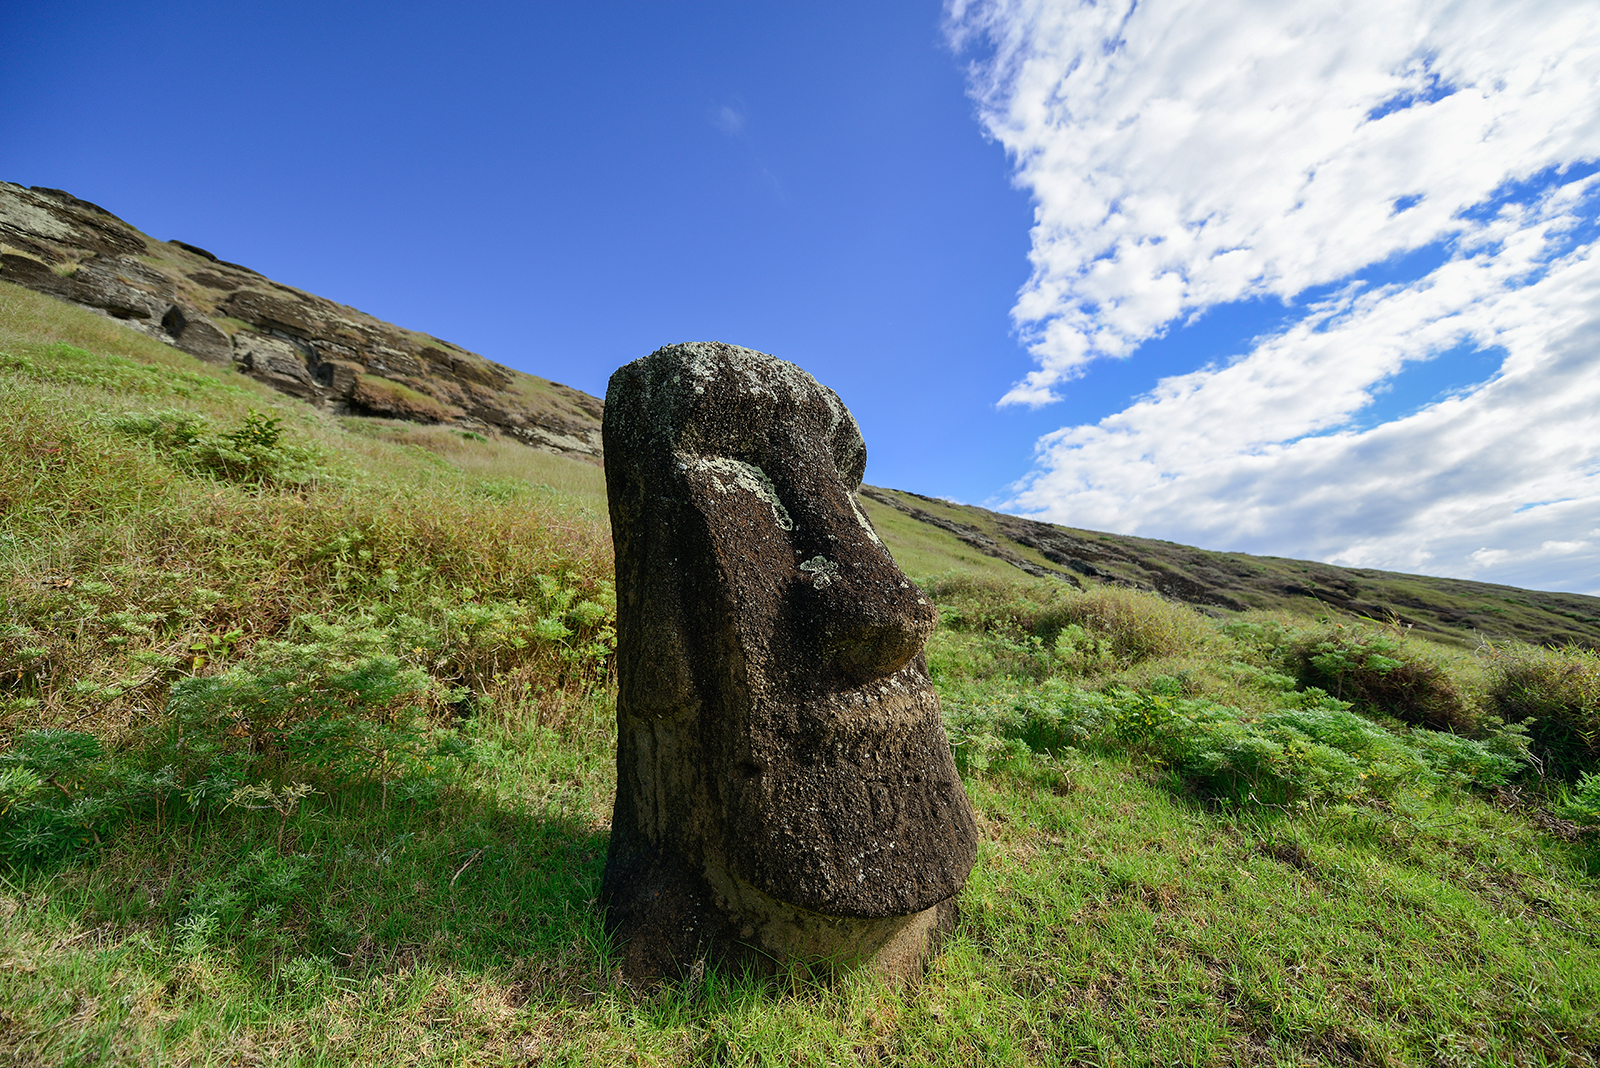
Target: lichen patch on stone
(727,474)
(866,524)
(822,571)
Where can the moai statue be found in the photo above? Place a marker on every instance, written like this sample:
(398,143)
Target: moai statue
(785,791)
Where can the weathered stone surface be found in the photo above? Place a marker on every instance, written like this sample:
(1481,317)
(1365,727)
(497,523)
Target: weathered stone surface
(785,788)
(276,361)
(273,312)
(122,286)
(213,280)
(341,376)
(352,362)
(54,216)
(554,441)
(196,249)
(30,271)
(197,335)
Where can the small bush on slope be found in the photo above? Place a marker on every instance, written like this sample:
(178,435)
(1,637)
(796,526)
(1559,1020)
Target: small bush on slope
(1035,630)
(1558,690)
(296,721)
(1310,747)
(1229,724)
(254,453)
(1381,672)
(1581,804)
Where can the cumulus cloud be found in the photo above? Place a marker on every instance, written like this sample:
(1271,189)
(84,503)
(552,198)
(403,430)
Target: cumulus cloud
(1258,456)
(1185,155)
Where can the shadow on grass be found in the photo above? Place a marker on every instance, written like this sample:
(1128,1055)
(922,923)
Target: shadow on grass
(354,885)
(354,889)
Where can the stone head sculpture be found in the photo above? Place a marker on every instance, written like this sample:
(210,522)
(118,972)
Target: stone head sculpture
(784,785)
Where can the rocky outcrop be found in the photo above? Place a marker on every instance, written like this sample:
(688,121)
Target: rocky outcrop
(785,790)
(325,353)
(196,334)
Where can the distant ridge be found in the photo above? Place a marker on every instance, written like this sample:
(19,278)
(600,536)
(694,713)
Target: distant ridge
(1456,610)
(325,353)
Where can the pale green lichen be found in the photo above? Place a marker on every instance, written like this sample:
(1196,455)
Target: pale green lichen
(861,517)
(822,571)
(727,474)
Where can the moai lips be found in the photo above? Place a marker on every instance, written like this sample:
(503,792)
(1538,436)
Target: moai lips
(785,788)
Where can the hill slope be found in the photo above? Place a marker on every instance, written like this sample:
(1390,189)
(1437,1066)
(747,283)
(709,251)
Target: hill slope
(301,344)
(1454,610)
(350,363)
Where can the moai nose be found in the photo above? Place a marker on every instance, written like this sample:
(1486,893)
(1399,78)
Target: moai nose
(862,617)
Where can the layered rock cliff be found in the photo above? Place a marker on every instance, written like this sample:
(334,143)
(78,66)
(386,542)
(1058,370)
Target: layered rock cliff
(307,346)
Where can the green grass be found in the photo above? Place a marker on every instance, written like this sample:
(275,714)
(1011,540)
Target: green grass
(923,551)
(1109,920)
(512,467)
(126,551)
(332,764)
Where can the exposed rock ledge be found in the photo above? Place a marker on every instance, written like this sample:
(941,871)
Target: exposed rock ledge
(306,346)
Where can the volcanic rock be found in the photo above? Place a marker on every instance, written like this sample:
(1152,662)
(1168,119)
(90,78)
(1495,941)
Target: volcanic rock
(197,335)
(276,362)
(785,788)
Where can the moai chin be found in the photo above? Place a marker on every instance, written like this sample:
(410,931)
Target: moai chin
(785,791)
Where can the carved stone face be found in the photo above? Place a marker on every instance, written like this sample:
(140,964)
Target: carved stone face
(778,738)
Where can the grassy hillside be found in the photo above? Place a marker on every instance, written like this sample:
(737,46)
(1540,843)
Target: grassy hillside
(306,743)
(324,353)
(1456,611)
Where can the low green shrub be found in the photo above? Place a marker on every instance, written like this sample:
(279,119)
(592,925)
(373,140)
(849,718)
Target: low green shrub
(1382,673)
(1557,691)
(1035,630)
(57,787)
(243,907)
(253,453)
(1130,625)
(1581,803)
(263,735)
(1311,747)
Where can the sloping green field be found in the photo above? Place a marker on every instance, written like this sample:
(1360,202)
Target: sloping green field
(306,752)
(1454,611)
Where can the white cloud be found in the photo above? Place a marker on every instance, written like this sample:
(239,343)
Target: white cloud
(1255,456)
(1184,155)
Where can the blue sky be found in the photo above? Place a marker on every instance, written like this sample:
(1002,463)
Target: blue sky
(1294,278)
(560,187)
